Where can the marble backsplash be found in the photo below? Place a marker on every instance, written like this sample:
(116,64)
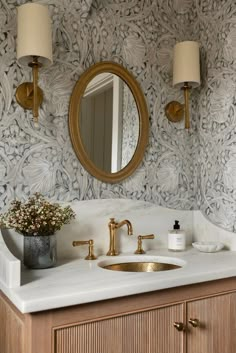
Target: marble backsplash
(92,223)
(203,230)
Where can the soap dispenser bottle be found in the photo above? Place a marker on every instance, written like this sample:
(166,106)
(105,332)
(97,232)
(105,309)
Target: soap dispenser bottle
(176,238)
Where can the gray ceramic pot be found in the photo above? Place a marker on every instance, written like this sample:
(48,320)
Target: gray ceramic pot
(40,251)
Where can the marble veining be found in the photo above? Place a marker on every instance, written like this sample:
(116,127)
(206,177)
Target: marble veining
(92,217)
(75,280)
(203,230)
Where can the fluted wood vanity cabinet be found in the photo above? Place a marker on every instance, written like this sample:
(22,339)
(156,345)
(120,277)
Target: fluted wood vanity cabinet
(217,318)
(136,324)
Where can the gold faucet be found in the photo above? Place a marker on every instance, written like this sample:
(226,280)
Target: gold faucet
(90,255)
(113,225)
(140,239)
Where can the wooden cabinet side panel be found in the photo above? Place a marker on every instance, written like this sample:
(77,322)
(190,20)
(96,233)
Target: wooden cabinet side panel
(148,331)
(217,331)
(11,329)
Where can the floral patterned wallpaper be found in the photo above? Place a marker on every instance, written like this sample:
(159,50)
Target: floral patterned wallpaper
(216,23)
(181,169)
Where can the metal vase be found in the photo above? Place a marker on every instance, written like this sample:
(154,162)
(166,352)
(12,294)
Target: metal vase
(40,251)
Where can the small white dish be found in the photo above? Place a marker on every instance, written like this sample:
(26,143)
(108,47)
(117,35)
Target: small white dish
(208,246)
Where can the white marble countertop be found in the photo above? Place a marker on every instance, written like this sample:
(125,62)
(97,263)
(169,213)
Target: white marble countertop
(79,281)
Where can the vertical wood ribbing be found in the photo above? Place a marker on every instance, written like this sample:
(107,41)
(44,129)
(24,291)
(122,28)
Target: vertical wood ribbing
(145,332)
(217,333)
(166,339)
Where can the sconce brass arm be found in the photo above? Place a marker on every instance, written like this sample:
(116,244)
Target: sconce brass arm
(28,94)
(175,111)
(35,68)
(186,88)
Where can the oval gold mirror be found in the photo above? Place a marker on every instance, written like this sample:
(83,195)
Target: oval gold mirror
(108,122)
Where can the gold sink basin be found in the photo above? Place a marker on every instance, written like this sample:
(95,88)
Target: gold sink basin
(141,266)
(142,263)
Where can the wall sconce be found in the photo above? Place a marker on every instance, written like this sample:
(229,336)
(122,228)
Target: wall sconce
(34,49)
(186,74)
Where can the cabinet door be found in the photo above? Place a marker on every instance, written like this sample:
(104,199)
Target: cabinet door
(217,330)
(142,332)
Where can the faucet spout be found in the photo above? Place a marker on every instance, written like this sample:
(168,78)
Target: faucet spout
(113,226)
(129,226)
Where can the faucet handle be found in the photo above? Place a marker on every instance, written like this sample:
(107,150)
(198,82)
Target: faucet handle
(140,239)
(90,243)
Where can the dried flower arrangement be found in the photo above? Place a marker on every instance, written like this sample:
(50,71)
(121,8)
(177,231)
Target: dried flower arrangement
(36,216)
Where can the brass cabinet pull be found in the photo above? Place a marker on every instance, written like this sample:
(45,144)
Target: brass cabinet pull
(90,255)
(179,326)
(140,247)
(194,322)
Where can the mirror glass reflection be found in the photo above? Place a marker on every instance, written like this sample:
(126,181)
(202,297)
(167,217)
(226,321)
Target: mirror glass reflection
(109,122)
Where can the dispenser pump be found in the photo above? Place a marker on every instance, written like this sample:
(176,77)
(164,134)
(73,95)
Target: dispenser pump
(176,225)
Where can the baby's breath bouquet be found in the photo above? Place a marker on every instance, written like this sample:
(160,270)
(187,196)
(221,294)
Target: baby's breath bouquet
(36,216)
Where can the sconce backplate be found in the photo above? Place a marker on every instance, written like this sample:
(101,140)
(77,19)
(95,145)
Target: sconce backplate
(25,94)
(174,111)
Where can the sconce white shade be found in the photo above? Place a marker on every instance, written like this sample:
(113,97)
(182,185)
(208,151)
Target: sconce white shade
(186,64)
(34,34)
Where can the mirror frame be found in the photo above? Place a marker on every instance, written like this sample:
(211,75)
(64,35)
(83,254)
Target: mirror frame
(74,130)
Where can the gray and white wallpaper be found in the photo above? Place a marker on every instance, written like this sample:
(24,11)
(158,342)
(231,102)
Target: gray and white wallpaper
(181,169)
(216,23)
